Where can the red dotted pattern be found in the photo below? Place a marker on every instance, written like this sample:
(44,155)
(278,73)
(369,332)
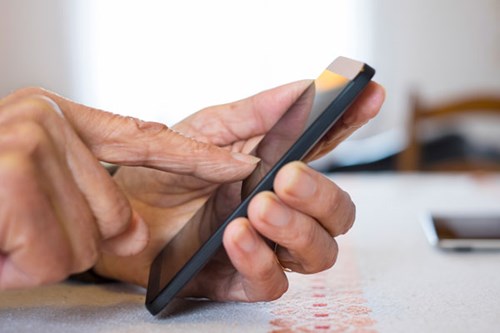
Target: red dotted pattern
(331,301)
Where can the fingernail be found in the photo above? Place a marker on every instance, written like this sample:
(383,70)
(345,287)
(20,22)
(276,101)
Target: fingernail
(245,158)
(245,239)
(301,184)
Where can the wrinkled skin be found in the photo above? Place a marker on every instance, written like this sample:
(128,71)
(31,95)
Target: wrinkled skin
(59,208)
(61,213)
(248,269)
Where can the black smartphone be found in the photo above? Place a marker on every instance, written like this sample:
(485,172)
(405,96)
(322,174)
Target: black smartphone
(292,137)
(463,232)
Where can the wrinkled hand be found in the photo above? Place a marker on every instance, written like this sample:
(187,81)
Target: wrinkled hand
(293,217)
(59,208)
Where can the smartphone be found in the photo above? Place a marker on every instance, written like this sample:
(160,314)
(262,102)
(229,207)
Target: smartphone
(463,232)
(292,137)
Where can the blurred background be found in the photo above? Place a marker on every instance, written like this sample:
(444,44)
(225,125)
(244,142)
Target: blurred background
(162,61)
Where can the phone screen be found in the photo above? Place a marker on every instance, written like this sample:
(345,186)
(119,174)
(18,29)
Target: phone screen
(463,232)
(291,138)
(483,227)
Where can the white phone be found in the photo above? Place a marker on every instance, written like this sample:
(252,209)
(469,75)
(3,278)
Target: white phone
(463,232)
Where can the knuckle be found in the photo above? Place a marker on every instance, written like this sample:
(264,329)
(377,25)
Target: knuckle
(336,196)
(122,212)
(266,271)
(115,219)
(304,239)
(148,127)
(346,214)
(56,268)
(15,170)
(272,290)
(278,291)
(340,214)
(12,169)
(87,259)
(351,217)
(32,136)
(27,91)
(330,259)
(271,278)
(59,266)
(323,262)
(32,105)
(149,138)
(60,271)
(26,138)
(39,106)
(52,261)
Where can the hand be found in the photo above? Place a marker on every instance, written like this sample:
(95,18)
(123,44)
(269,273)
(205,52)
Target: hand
(248,270)
(59,208)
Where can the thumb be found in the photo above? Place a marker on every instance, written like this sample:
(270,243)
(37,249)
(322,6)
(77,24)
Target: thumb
(129,141)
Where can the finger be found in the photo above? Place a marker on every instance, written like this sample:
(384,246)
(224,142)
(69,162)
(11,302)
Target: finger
(123,232)
(27,146)
(254,116)
(28,259)
(309,247)
(225,124)
(260,275)
(364,108)
(313,194)
(131,241)
(38,239)
(129,141)
(75,165)
(299,222)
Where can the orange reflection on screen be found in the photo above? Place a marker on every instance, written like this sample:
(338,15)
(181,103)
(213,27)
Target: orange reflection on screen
(329,80)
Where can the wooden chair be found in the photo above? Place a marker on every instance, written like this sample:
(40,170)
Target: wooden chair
(412,158)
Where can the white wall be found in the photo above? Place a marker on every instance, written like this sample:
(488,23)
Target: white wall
(441,48)
(37,45)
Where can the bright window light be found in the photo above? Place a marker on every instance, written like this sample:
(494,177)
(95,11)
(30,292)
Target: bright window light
(162,61)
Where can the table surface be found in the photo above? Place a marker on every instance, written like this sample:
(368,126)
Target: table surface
(387,278)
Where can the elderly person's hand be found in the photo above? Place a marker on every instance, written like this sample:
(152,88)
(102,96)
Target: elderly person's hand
(303,215)
(59,208)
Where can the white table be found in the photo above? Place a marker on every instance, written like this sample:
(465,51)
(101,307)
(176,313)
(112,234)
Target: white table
(387,279)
